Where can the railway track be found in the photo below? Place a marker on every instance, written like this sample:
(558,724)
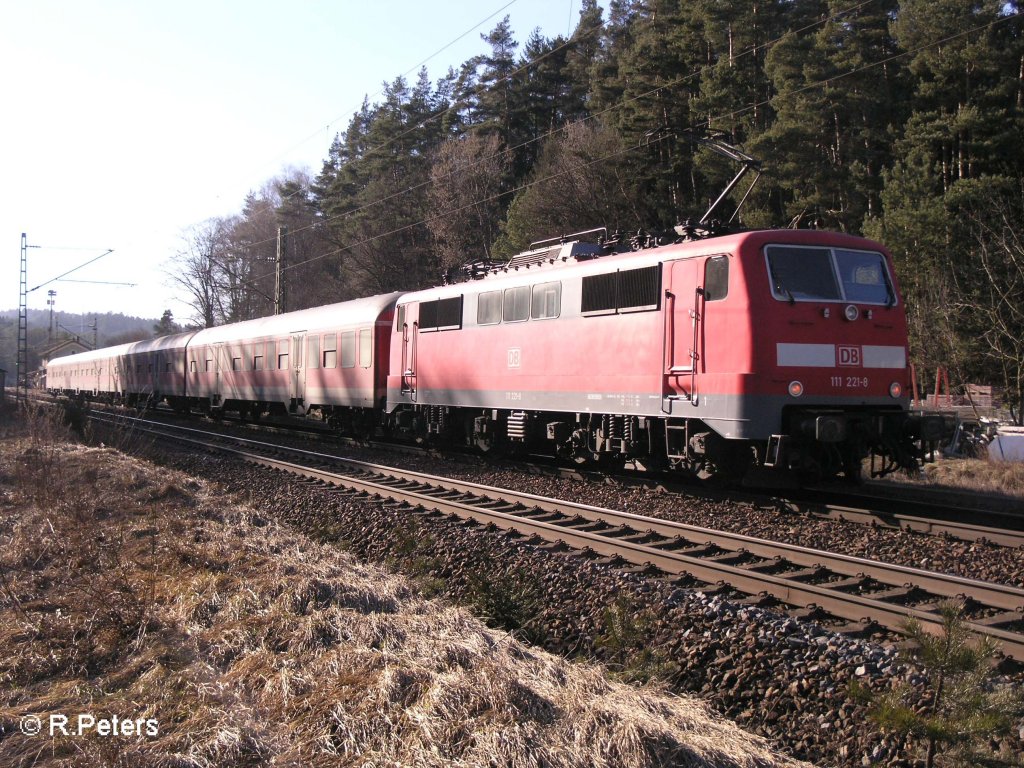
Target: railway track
(934,515)
(997,520)
(924,509)
(864,593)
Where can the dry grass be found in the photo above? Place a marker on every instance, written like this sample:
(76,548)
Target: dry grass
(981,475)
(1006,477)
(140,594)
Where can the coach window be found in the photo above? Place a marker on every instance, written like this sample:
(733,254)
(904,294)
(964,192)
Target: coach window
(488,308)
(716,278)
(517,304)
(313,351)
(331,350)
(236,363)
(348,349)
(209,364)
(547,301)
(192,366)
(282,355)
(365,348)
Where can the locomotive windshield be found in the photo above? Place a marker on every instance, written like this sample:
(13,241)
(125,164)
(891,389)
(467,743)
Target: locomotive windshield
(828,274)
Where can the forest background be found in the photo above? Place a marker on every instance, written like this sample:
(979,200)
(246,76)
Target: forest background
(901,121)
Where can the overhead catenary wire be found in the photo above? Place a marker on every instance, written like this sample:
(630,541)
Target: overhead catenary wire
(480,89)
(699,127)
(543,136)
(96,282)
(416,68)
(80,266)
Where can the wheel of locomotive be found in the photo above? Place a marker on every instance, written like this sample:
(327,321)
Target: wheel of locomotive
(729,463)
(611,462)
(577,449)
(853,466)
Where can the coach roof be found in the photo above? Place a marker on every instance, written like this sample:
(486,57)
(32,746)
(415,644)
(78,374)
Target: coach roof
(347,313)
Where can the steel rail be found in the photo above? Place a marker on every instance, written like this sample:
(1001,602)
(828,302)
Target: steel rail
(842,604)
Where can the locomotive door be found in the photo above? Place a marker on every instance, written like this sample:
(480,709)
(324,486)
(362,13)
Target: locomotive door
(298,378)
(684,311)
(410,334)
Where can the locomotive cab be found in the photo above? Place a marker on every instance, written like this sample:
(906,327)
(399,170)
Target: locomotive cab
(838,369)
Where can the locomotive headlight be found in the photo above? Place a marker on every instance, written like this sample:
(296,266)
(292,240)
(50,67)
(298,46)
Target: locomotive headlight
(895,389)
(851,312)
(796,389)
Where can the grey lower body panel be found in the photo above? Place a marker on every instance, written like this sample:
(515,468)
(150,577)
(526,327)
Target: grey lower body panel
(739,417)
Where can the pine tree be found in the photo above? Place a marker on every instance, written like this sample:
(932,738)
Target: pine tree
(964,125)
(498,108)
(166,326)
(585,50)
(874,87)
(963,706)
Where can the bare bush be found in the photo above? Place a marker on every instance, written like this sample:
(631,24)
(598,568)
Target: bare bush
(38,467)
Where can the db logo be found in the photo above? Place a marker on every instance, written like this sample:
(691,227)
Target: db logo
(849,355)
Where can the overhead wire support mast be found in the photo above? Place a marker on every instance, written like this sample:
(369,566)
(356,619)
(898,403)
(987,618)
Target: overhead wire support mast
(21,376)
(21,379)
(279,289)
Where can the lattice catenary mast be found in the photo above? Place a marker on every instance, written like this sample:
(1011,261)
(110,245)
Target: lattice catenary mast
(21,379)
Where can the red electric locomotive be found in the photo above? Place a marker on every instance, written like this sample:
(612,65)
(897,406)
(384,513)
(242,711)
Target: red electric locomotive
(776,348)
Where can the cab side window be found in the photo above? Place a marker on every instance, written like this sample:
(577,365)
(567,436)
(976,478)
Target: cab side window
(716,278)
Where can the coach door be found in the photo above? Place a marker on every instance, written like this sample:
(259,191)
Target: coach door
(218,366)
(298,373)
(684,308)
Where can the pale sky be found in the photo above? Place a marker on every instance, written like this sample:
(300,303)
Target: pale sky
(128,121)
